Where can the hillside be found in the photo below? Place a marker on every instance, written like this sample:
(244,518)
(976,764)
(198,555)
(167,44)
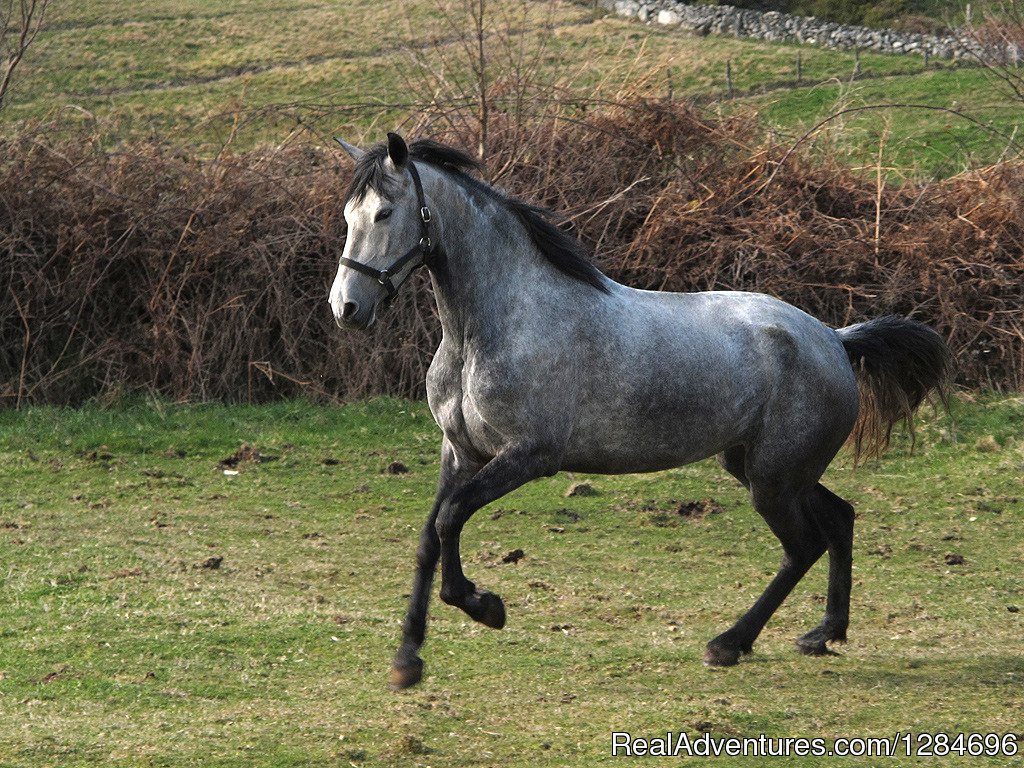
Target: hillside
(184,71)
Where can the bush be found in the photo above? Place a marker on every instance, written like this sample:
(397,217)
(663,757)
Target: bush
(147,269)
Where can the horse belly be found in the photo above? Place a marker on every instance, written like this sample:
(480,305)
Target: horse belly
(639,438)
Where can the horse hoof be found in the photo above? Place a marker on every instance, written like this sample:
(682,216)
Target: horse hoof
(488,609)
(720,656)
(814,648)
(405,673)
(814,642)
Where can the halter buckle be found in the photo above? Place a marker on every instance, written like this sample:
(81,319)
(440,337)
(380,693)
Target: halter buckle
(384,277)
(425,214)
(426,245)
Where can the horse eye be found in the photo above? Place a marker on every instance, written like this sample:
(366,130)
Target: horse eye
(381,215)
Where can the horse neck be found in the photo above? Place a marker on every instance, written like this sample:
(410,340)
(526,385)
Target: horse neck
(490,269)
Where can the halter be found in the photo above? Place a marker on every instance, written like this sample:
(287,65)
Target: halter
(424,248)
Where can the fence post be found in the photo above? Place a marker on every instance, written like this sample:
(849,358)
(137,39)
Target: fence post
(728,76)
(856,63)
(799,68)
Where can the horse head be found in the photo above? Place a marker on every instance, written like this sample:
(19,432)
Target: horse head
(388,232)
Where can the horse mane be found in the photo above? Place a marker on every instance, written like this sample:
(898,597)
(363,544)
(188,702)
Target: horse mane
(565,252)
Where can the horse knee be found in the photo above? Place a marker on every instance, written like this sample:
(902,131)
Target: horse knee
(449,522)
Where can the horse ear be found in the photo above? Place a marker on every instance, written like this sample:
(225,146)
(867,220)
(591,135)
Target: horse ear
(353,151)
(398,152)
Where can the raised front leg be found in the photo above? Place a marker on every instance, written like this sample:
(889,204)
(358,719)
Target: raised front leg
(514,466)
(407,667)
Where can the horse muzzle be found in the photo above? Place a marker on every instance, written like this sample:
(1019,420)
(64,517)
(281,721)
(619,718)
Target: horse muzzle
(355,317)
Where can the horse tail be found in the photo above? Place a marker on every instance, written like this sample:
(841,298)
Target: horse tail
(899,363)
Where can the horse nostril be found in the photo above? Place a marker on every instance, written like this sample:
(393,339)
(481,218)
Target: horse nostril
(349,309)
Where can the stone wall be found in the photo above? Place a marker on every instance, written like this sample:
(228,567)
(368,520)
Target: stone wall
(784,27)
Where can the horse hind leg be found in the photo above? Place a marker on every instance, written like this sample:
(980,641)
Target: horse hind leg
(834,517)
(802,544)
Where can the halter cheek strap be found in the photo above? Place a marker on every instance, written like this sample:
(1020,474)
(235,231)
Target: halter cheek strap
(423,249)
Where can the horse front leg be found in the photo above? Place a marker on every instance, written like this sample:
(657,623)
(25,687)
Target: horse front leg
(407,667)
(511,468)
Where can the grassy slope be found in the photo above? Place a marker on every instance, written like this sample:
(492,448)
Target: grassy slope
(938,143)
(164,68)
(118,648)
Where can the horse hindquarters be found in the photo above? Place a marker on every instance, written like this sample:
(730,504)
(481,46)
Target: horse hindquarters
(898,363)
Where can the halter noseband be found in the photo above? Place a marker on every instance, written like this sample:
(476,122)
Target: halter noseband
(424,248)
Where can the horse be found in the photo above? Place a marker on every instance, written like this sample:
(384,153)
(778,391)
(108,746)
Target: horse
(546,364)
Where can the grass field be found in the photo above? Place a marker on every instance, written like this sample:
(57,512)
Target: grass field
(981,126)
(174,69)
(204,585)
(158,611)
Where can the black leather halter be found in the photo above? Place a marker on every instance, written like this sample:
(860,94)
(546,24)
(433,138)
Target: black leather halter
(424,248)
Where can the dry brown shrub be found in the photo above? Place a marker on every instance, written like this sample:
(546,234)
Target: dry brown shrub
(150,269)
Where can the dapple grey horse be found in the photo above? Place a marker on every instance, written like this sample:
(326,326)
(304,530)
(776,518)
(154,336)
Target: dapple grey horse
(546,364)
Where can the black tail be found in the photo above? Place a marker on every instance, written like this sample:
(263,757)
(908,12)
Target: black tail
(899,363)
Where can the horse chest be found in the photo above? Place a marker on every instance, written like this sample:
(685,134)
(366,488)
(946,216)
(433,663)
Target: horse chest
(462,398)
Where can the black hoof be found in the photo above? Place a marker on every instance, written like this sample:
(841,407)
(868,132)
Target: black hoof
(814,643)
(814,649)
(487,608)
(724,652)
(406,671)
(716,656)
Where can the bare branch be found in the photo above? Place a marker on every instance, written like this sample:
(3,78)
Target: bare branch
(29,21)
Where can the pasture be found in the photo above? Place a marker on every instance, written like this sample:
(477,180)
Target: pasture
(195,73)
(159,611)
(223,585)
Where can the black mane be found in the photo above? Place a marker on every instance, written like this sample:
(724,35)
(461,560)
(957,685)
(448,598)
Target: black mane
(565,252)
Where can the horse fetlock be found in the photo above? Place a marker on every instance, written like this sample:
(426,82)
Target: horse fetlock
(456,595)
(835,631)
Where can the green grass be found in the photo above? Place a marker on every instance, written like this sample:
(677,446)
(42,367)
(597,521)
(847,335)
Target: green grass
(936,143)
(183,70)
(118,648)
